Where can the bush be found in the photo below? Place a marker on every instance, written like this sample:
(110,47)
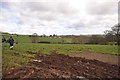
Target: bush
(44,42)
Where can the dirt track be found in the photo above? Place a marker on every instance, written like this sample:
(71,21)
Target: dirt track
(64,66)
(107,58)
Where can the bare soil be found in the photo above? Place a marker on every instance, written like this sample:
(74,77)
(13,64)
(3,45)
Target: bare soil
(107,58)
(64,66)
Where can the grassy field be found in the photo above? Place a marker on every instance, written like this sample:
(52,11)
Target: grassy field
(19,56)
(64,48)
(27,39)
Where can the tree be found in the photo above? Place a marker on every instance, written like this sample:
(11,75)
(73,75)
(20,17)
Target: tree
(113,35)
(54,35)
(116,31)
(109,36)
(50,36)
(97,39)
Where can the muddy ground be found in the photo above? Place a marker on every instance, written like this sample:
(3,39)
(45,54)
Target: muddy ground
(64,66)
(107,58)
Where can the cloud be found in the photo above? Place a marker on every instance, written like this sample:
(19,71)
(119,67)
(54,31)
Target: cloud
(58,17)
(102,8)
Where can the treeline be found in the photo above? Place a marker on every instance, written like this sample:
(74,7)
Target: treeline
(111,37)
(81,39)
(95,39)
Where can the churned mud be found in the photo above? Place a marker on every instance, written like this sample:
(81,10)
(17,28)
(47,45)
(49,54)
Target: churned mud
(64,66)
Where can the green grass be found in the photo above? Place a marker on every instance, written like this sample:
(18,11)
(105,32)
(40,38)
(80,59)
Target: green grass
(67,48)
(18,57)
(13,58)
(27,39)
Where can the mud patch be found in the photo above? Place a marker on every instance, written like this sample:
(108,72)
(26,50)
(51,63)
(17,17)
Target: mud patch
(107,58)
(64,66)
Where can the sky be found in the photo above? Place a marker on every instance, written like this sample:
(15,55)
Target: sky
(61,17)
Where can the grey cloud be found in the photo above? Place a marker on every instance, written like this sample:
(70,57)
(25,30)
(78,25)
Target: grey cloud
(51,17)
(77,25)
(104,8)
(37,6)
(43,10)
(55,7)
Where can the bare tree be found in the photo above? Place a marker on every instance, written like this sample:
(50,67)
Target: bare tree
(109,36)
(116,31)
(113,35)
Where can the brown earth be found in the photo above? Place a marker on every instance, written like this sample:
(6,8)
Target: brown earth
(63,66)
(107,58)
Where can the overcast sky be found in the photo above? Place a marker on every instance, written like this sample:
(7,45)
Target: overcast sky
(61,17)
